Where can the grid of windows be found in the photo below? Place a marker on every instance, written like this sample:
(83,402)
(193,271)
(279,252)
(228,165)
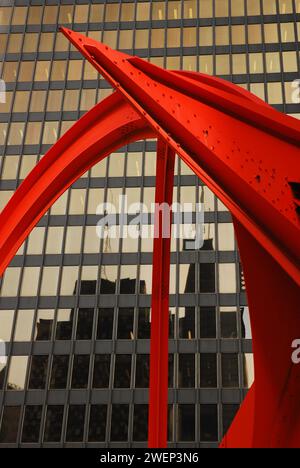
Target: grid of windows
(75,311)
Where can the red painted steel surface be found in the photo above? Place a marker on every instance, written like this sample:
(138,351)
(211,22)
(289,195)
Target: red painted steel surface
(159,356)
(248,155)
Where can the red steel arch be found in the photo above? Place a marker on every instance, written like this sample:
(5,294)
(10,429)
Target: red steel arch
(248,155)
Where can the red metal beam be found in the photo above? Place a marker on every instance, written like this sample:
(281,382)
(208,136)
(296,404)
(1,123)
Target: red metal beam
(158,391)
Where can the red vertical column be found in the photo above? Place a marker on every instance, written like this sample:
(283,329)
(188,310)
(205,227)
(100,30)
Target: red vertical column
(158,392)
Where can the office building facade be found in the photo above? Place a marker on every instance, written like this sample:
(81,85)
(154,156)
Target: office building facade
(75,309)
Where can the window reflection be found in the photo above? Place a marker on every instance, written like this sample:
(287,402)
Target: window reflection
(85,319)
(207,322)
(122,371)
(230,370)
(186,423)
(228,317)
(6,321)
(208,423)
(119,423)
(31,424)
(186,378)
(208,370)
(105,324)
(125,324)
(75,424)
(38,372)
(10,424)
(17,373)
(142,371)
(80,374)
(140,423)
(59,372)
(97,425)
(101,371)
(53,425)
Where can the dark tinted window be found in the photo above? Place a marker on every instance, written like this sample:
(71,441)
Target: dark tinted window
(10,424)
(32,423)
(119,423)
(38,372)
(97,427)
(80,372)
(53,426)
(59,372)
(75,424)
(101,371)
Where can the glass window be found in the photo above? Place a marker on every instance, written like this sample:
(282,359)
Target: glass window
(186,317)
(208,423)
(97,423)
(53,424)
(287,32)
(143,11)
(141,39)
(58,72)
(30,42)
(71,99)
(206,9)
(238,34)
(173,37)
(10,424)
(27,164)
(205,36)
(101,371)
(126,39)
(85,320)
(142,371)
(31,424)
(65,14)
(208,370)
(186,423)
(73,239)
(37,101)
(10,70)
(127,12)
(190,9)
(33,133)
(38,372)
(125,323)
(207,322)
(16,133)
(253,7)
(24,325)
(239,64)
(54,239)
(105,324)
(60,206)
(222,65)
(75,424)
(44,325)
(271,33)
(77,201)
(229,412)
(189,37)
(14,43)
(206,64)
(221,7)
(6,320)
(140,423)
(228,318)
(222,35)
(290,61)
(174,10)
(119,423)
(186,375)
(226,236)
(50,14)
(237,8)
(122,371)
(256,63)
(59,372)
(248,370)
(50,135)
(64,324)
(275,93)
(80,374)
(158,10)
(269,7)
(286,6)
(96,13)
(157,38)
(19,16)
(35,241)
(227,278)
(230,370)
(254,34)
(272,62)
(30,281)
(17,373)
(10,167)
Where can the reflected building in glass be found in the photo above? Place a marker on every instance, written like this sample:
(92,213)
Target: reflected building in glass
(75,310)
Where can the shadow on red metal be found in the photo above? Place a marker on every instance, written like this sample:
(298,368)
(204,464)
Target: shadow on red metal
(248,155)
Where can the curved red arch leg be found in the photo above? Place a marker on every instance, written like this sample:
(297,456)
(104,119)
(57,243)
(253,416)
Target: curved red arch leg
(108,126)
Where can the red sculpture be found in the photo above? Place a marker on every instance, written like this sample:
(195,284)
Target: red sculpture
(248,155)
